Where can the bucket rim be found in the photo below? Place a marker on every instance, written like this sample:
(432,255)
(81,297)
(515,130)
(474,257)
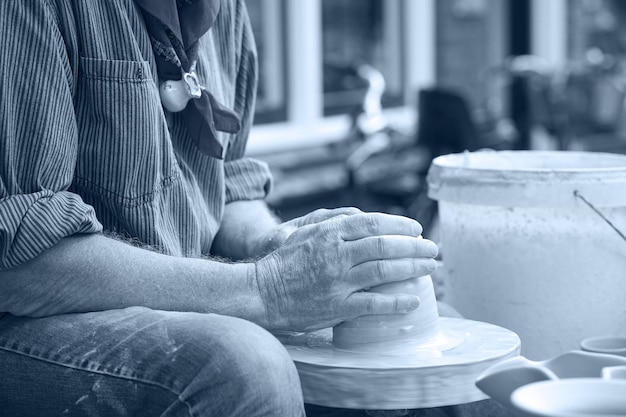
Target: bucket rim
(451,178)
(450,161)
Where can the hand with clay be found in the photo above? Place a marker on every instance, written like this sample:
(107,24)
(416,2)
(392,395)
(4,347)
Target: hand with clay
(316,278)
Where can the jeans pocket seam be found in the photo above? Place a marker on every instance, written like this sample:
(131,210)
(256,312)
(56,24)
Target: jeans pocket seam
(138,379)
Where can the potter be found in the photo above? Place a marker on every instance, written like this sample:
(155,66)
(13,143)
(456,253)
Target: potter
(116,217)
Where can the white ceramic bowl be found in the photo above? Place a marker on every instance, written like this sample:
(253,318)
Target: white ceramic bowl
(500,380)
(574,397)
(614,345)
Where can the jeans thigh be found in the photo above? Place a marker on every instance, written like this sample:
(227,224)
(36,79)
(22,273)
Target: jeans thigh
(34,387)
(134,361)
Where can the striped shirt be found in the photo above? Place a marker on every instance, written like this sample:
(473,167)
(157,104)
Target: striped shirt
(85,144)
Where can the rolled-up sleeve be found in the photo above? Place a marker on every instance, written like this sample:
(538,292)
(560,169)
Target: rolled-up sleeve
(246,178)
(38,135)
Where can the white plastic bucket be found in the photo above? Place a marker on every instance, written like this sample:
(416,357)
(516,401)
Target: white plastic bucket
(521,249)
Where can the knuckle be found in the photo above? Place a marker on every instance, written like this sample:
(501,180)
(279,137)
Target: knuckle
(322,212)
(395,304)
(330,230)
(418,247)
(381,246)
(315,215)
(370,223)
(371,305)
(416,266)
(382,269)
(307,230)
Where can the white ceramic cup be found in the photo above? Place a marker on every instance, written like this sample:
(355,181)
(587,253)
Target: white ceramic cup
(572,397)
(614,345)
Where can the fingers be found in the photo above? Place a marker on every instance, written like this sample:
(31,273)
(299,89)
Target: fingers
(321,215)
(373,273)
(365,303)
(362,225)
(388,247)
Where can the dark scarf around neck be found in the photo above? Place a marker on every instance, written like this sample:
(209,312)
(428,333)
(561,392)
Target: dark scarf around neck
(175,28)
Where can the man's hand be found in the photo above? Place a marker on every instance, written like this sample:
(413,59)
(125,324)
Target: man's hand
(317,276)
(273,239)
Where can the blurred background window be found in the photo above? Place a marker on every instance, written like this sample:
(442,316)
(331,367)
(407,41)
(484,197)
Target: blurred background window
(309,54)
(472,38)
(353,32)
(356,32)
(596,55)
(268,24)
(597,24)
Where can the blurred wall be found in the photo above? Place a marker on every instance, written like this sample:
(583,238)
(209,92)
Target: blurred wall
(471,37)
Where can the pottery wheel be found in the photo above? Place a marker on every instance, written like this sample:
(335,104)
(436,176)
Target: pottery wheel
(414,360)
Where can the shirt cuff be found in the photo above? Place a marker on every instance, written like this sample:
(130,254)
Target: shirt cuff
(247,179)
(32,223)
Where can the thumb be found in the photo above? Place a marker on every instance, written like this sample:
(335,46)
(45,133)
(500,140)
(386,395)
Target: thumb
(276,238)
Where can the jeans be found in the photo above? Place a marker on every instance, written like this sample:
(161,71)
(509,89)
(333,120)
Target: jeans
(142,362)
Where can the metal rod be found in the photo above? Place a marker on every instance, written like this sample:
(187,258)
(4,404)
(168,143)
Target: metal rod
(577,194)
